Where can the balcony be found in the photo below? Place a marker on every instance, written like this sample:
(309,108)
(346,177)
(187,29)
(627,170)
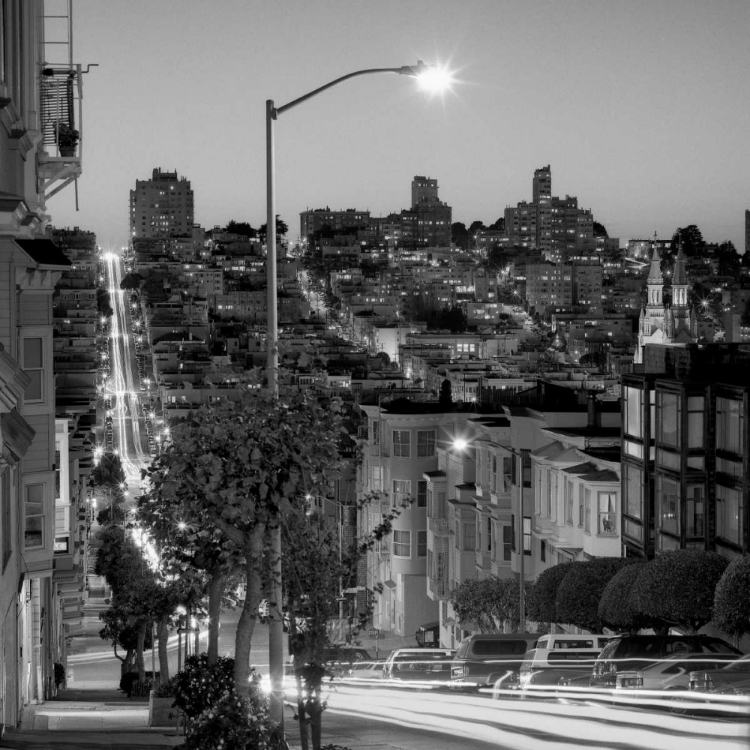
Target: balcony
(438,526)
(60,93)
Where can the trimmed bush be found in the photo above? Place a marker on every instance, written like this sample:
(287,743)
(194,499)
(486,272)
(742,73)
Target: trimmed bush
(541,603)
(678,587)
(732,599)
(615,609)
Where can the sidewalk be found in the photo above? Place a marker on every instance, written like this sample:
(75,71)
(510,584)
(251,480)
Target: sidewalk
(90,719)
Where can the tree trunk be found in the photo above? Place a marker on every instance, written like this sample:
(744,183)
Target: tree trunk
(316,721)
(163,636)
(246,624)
(301,714)
(139,661)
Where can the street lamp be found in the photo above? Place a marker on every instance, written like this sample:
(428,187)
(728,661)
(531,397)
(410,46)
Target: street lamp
(430,78)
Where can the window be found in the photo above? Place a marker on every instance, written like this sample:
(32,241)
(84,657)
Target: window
(401,492)
(401,444)
(421,544)
(587,509)
(696,409)
(508,542)
(569,489)
(425,443)
(34,512)
(6,505)
(490,531)
(543,551)
(607,513)
(526,466)
(668,504)
(470,536)
(729,512)
(668,418)
(33,365)
(580,506)
(421,493)
(493,470)
(375,482)
(695,510)
(729,425)
(401,543)
(507,471)
(527,535)
(633,410)
(633,486)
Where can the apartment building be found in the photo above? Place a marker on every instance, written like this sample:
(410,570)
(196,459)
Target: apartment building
(162,207)
(686,450)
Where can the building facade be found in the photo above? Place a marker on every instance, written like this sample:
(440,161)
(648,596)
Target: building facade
(161,207)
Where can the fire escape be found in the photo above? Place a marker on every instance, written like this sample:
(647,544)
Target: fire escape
(60,104)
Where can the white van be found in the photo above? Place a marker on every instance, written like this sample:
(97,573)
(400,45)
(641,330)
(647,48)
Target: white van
(559,654)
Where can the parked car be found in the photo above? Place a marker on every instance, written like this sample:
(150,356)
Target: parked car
(634,652)
(484,658)
(734,678)
(419,665)
(559,656)
(365,671)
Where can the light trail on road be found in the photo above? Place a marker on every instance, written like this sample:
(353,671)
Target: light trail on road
(122,383)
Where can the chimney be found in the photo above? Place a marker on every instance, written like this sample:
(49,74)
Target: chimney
(591,408)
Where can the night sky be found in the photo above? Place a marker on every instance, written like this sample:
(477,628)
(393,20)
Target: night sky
(642,109)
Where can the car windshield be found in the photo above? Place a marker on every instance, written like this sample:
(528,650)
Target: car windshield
(741,665)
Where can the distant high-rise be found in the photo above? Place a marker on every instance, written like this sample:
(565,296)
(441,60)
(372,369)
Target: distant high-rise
(161,207)
(542,199)
(747,231)
(429,220)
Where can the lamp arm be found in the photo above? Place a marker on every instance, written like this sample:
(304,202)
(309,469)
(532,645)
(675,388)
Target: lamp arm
(407,70)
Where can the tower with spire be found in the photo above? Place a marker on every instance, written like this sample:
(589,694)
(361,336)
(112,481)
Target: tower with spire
(661,323)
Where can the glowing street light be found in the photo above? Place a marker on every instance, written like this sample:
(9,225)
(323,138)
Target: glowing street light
(430,79)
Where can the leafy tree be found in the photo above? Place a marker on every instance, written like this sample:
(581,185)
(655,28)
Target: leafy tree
(580,591)
(102,303)
(132,281)
(446,394)
(691,239)
(678,587)
(281,228)
(732,599)
(541,604)
(476,226)
(499,225)
(615,608)
(242,228)
(460,235)
(490,603)
(108,472)
(600,230)
(236,467)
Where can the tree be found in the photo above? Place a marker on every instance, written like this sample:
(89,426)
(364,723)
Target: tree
(541,604)
(580,591)
(236,467)
(132,281)
(102,303)
(499,225)
(678,587)
(600,230)
(476,226)
(446,395)
(490,603)
(615,608)
(732,599)
(281,228)
(242,228)
(460,235)
(691,239)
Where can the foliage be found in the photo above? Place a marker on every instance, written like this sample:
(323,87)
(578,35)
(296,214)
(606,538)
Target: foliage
(242,228)
(499,225)
(460,235)
(233,467)
(200,685)
(691,239)
(615,608)
(234,722)
(132,281)
(600,230)
(488,603)
(446,394)
(678,587)
(732,598)
(108,472)
(541,603)
(67,135)
(281,228)
(165,689)
(102,303)
(476,226)
(580,591)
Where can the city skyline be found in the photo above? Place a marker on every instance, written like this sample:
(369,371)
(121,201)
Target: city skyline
(638,109)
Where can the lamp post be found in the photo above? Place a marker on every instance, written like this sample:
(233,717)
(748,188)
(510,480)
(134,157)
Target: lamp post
(433,77)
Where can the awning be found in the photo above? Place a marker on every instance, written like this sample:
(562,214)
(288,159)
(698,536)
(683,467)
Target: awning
(17,433)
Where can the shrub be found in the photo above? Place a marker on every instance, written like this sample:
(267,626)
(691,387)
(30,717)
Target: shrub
(198,687)
(540,605)
(732,599)
(234,723)
(615,608)
(678,587)
(580,591)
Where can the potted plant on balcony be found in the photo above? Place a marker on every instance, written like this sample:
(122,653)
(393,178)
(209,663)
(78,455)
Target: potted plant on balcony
(67,139)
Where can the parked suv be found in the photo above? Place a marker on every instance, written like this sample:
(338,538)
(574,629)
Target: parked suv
(632,652)
(484,658)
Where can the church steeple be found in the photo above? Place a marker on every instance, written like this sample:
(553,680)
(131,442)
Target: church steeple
(655,281)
